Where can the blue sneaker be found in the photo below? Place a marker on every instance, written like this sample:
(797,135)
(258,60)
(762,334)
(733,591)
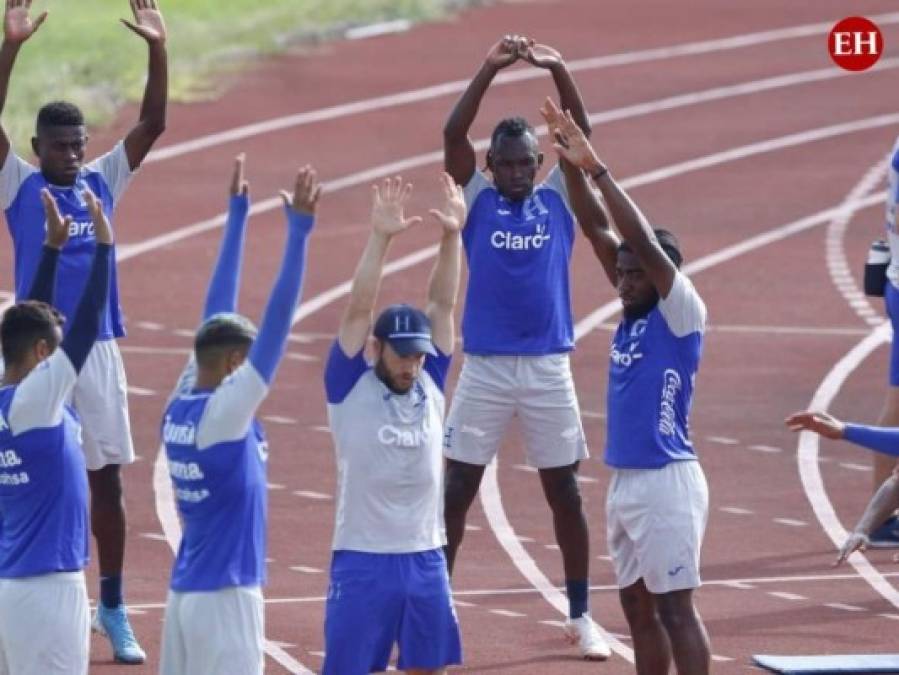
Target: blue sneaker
(114,624)
(887,535)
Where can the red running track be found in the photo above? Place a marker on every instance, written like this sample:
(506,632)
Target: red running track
(779,323)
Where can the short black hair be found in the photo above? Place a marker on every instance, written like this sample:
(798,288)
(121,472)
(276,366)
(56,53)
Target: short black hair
(220,334)
(59,114)
(24,324)
(513,127)
(667,241)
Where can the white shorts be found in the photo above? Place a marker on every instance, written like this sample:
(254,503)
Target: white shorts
(214,632)
(44,625)
(538,389)
(101,400)
(655,523)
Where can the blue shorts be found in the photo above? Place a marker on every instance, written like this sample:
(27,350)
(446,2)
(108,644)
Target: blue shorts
(891,299)
(376,600)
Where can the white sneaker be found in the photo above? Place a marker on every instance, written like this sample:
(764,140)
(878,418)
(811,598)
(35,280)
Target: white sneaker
(583,633)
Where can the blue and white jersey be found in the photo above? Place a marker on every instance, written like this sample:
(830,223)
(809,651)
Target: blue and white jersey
(518,300)
(652,371)
(217,456)
(43,479)
(20,195)
(892,215)
(389,456)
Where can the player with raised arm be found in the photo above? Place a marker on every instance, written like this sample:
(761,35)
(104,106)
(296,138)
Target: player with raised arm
(217,454)
(100,396)
(657,504)
(44,610)
(517,323)
(389,580)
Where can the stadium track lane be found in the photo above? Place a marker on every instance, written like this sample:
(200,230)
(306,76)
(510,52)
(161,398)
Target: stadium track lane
(741,622)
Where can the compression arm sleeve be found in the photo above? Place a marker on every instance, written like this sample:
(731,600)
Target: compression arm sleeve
(44,283)
(86,323)
(881,439)
(268,347)
(221,296)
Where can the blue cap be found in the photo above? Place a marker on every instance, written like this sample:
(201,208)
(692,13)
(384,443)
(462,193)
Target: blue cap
(408,330)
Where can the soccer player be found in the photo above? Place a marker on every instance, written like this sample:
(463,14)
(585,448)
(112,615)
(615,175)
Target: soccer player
(389,581)
(517,324)
(100,395)
(217,454)
(657,505)
(886,533)
(883,440)
(44,611)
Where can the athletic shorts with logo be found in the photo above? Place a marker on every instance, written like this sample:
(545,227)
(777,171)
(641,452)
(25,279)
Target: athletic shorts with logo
(656,519)
(539,390)
(378,599)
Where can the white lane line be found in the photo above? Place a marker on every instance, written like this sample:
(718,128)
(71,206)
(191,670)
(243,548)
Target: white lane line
(894,617)
(793,597)
(851,466)
(525,540)
(505,535)
(834,242)
(472,528)
(375,29)
(149,325)
(127,251)
(552,547)
(738,585)
(156,536)
(278,419)
(305,569)
(791,522)
(736,510)
(508,613)
(810,472)
(591,414)
(721,659)
(770,449)
(464,603)
(331,113)
(311,494)
(140,391)
(155,351)
(554,623)
(525,468)
(845,608)
(722,440)
(275,486)
(322,428)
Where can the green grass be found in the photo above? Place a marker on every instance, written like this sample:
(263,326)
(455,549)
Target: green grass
(83,54)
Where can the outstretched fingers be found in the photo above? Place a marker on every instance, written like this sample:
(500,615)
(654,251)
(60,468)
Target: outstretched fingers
(102,229)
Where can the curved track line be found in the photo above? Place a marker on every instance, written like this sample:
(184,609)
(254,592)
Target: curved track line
(810,470)
(837,263)
(458,86)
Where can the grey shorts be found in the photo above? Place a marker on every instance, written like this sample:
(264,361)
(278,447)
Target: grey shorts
(539,390)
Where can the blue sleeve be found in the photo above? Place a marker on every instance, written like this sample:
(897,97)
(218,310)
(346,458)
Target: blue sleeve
(86,324)
(268,347)
(342,372)
(44,283)
(221,296)
(437,367)
(881,439)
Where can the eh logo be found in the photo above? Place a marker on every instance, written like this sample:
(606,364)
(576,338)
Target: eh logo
(855,43)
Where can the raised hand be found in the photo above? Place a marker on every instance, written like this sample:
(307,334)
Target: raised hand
(856,541)
(306,191)
(102,229)
(388,202)
(569,139)
(507,51)
(239,185)
(18,25)
(452,217)
(57,226)
(148,21)
(819,422)
(542,56)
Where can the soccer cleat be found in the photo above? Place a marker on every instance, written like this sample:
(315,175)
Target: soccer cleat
(583,633)
(887,535)
(114,624)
